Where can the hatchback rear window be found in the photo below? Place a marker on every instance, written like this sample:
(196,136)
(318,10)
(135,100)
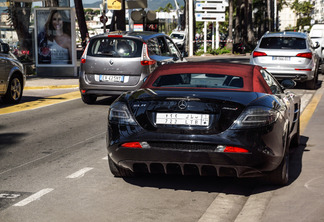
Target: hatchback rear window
(283,43)
(115,47)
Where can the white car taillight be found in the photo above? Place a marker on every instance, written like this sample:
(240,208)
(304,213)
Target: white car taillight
(307,55)
(257,54)
(145,59)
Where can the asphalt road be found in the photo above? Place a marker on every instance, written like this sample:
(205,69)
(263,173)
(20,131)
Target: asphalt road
(53,167)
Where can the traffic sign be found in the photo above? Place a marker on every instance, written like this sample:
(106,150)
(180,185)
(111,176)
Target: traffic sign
(223,2)
(213,7)
(210,17)
(114,4)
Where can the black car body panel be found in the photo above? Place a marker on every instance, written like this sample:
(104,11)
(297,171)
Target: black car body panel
(187,148)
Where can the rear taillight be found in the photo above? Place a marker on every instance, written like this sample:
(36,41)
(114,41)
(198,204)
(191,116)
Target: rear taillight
(145,59)
(83,60)
(307,55)
(257,54)
(84,54)
(132,145)
(230,149)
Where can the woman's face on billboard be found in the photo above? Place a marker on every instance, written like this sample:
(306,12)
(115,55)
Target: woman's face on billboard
(57,21)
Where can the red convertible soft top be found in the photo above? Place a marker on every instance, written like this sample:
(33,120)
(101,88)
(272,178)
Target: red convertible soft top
(252,78)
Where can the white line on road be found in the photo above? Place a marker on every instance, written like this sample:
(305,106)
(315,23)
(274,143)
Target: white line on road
(79,173)
(105,158)
(254,207)
(33,197)
(224,208)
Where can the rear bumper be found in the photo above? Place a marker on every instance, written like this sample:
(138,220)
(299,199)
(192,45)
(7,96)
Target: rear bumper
(265,153)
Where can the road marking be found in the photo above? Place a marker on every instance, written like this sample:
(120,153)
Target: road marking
(33,197)
(79,173)
(41,102)
(52,87)
(254,207)
(105,158)
(35,160)
(224,208)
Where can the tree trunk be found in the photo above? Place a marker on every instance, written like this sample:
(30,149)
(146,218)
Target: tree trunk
(269,15)
(238,22)
(81,18)
(20,17)
(229,43)
(250,33)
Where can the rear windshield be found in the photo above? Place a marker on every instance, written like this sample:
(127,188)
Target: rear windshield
(199,80)
(115,47)
(283,43)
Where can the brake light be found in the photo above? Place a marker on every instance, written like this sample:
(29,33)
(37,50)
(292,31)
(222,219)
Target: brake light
(83,60)
(115,36)
(257,54)
(234,149)
(145,59)
(303,69)
(307,55)
(132,145)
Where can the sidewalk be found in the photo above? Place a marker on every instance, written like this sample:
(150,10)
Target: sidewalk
(51,83)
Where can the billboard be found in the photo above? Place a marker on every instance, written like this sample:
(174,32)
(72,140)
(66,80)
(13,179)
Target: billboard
(55,37)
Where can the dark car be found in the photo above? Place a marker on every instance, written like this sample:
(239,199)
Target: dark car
(205,119)
(12,76)
(119,61)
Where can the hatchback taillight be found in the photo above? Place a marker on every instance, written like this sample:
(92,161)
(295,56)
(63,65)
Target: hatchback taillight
(307,55)
(83,60)
(145,59)
(257,54)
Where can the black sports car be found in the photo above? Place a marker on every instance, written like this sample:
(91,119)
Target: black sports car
(219,119)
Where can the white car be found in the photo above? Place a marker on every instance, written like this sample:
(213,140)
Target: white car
(288,55)
(317,36)
(179,38)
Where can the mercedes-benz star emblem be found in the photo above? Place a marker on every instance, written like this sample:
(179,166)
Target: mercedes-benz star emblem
(182,104)
(111,62)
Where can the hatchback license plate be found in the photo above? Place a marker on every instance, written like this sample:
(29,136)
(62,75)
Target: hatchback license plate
(280,58)
(189,119)
(111,78)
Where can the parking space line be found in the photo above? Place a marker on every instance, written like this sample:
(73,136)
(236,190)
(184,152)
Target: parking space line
(33,197)
(79,173)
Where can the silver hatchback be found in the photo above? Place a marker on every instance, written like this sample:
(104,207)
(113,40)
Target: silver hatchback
(119,61)
(288,55)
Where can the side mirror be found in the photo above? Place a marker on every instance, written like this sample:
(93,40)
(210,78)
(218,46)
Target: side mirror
(316,45)
(5,48)
(288,83)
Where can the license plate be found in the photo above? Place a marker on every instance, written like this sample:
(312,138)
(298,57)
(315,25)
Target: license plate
(182,119)
(281,58)
(111,78)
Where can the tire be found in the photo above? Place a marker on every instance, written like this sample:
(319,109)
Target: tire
(280,176)
(322,68)
(119,171)
(295,142)
(312,84)
(89,99)
(14,91)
